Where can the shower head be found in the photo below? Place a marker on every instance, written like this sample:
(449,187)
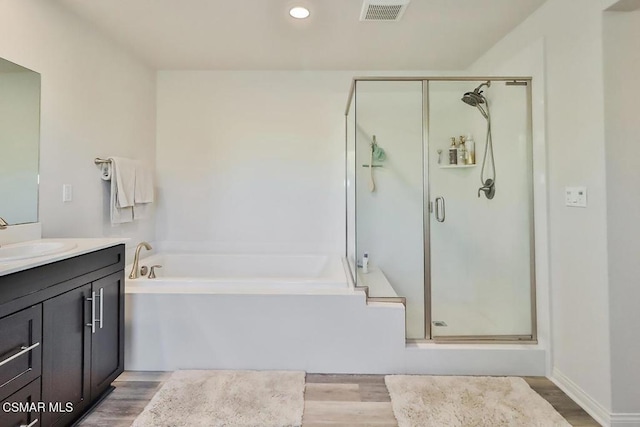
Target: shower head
(475,98)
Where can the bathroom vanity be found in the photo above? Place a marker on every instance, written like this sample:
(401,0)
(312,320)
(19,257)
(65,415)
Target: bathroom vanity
(61,332)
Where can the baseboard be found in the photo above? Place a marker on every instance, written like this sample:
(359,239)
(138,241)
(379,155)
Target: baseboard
(625,420)
(593,408)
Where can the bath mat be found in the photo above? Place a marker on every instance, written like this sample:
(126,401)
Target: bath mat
(227,398)
(468,401)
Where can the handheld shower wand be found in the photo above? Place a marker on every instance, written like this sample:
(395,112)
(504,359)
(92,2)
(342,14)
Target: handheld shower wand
(476,99)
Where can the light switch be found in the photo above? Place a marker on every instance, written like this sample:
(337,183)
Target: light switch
(576,197)
(67,192)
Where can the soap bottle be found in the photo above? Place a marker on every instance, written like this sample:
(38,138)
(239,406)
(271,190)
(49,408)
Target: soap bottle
(453,152)
(462,151)
(471,150)
(365,262)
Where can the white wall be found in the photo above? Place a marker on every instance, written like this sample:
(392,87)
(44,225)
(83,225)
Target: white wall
(97,100)
(573,98)
(252,161)
(621,33)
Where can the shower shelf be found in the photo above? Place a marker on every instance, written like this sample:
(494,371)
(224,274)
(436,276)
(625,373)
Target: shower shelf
(456,166)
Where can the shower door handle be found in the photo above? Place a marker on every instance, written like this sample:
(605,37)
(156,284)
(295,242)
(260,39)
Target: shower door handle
(440,209)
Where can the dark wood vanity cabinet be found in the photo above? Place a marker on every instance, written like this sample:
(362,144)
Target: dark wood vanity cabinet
(79,323)
(66,358)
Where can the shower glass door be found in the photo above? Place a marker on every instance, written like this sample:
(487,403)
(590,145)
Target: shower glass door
(480,249)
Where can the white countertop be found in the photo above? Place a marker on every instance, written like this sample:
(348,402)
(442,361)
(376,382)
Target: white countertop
(83,246)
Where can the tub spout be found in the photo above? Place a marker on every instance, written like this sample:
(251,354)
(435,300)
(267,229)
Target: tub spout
(136,259)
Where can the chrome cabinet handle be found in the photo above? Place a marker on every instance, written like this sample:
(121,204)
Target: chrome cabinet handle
(23,350)
(93,312)
(31,424)
(440,209)
(101,307)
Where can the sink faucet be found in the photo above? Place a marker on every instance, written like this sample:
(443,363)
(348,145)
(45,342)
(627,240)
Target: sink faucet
(136,259)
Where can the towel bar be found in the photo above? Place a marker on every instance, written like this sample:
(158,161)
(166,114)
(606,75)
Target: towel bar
(99,161)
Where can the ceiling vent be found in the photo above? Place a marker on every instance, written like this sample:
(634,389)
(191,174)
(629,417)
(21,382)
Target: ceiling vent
(383,10)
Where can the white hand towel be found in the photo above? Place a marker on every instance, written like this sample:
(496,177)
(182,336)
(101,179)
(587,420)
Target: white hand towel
(144,184)
(143,192)
(122,175)
(124,171)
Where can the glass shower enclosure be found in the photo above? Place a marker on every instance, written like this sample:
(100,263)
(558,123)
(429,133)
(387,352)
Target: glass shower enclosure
(424,224)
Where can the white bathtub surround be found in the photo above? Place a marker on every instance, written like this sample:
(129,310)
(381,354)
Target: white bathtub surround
(227,398)
(207,311)
(377,283)
(330,333)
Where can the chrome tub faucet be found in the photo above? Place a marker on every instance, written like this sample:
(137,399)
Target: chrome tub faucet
(136,259)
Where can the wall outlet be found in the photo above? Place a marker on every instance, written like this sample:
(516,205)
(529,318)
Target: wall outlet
(576,197)
(67,192)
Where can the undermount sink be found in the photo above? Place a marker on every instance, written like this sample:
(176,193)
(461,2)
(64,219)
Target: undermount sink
(34,249)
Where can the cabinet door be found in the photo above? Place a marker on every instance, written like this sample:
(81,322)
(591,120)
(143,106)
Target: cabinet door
(107,343)
(66,354)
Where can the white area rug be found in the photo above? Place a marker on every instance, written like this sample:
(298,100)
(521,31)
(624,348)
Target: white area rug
(227,398)
(468,401)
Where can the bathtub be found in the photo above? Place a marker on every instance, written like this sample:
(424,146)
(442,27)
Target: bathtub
(217,311)
(223,273)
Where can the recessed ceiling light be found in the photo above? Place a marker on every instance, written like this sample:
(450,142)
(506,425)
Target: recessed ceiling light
(299,12)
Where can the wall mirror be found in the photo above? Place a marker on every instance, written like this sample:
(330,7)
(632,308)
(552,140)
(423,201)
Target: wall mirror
(19,143)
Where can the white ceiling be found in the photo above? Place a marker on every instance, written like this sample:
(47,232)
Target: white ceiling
(260,34)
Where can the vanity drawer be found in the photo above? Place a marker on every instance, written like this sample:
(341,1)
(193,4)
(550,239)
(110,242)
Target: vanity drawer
(28,397)
(20,349)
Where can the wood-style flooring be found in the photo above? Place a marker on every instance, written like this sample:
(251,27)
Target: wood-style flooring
(329,400)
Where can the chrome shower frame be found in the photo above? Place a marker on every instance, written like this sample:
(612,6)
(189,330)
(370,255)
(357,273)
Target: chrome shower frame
(493,339)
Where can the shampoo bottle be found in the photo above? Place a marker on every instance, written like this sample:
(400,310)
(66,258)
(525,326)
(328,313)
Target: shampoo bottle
(471,150)
(365,262)
(462,151)
(453,152)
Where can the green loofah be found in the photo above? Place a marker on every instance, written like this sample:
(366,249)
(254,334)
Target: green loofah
(378,153)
